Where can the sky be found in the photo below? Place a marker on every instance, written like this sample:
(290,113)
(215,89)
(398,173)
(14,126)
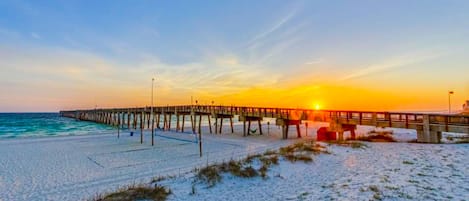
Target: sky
(349,55)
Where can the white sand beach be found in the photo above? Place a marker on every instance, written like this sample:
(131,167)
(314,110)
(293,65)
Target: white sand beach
(79,167)
(383,171)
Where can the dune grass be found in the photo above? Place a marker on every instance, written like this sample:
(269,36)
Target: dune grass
(378,136)
(136,192)
(351,144)
(252,166)
(209,175)
(302,151)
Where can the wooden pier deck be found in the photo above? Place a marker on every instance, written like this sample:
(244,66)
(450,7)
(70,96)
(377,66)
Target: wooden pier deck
(428,126)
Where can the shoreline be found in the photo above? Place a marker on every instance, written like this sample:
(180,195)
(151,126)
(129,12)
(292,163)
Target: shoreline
(37,137)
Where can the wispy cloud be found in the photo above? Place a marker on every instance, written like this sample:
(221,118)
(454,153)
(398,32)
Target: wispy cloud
(35,35)
(9,34)
(312,62)
(54,70)
(276,49)
(276,39)
(392,63)
(277,25)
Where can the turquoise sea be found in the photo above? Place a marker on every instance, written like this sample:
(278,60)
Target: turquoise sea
(14,125)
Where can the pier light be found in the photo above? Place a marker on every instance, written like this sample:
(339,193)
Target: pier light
(152,114)
(449,101)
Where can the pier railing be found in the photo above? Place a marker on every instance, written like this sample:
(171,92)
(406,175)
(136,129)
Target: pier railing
(385,119)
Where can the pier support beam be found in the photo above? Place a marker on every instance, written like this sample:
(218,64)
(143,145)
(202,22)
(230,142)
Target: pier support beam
(123,120)
(165,123)
(336,126)
(168,121)
(141,128)
(128,119)
(183,120)
(180,123)
(148,120)
(158,121)
(425,134)
(222,117)
(193,123)
(249,119)
(177,123)
(285,123)
(134,116)
(231,124)
(209,123)
(200,124)
(197,126)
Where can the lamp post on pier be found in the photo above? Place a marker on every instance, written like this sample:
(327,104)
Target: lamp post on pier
(152,115)
(449,101)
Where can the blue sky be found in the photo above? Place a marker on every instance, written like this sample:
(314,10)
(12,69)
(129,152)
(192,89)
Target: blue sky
(77,54)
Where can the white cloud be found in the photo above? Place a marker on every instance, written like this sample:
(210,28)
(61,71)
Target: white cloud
(7,33)
(35,35)
(392,63)
(312,62)
(277,25)
(49,68)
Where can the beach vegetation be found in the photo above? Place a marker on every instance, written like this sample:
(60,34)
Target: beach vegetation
(408,162)
(263,171)
(210,175)
(293,157)
(158,179)
(250,158)
(378,136)
(234,167)
(136,192)
(302,151)
(248,172)
(268,161)
(270,152)
(351,144)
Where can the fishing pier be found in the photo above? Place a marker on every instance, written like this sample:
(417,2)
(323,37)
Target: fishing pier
(429,127)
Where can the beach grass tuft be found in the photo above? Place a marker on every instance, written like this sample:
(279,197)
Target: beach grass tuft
(136,192)
(270,152)
(302,151)
(378,136)
(352,144)
(298,157)
(248,172)
(210,175)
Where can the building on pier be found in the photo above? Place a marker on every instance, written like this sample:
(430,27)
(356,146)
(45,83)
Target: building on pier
(465,107)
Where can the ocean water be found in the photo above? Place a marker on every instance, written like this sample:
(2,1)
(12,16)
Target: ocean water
(15,125)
